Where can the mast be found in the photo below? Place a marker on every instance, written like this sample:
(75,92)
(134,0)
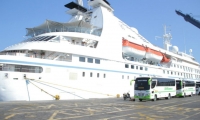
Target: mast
(166,39)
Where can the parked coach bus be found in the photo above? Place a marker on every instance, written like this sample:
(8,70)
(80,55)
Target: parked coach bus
(152,88)
(185,88)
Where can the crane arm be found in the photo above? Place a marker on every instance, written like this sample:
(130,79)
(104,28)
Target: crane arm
(189,19)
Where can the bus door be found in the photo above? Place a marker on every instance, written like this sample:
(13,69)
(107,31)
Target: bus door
(178,87)
(153,85)
(183,85)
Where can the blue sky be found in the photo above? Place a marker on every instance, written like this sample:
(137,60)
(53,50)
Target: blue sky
(148,16)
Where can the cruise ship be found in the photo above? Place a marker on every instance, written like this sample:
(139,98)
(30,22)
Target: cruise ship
(93,55)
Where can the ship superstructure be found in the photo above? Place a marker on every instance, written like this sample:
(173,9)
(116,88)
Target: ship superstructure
(93,55)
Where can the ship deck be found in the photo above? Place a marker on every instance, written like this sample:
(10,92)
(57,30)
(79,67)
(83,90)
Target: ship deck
(102,109)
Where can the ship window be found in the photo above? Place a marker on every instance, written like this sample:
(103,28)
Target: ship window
(132,66)
(132,58)
(82,59)
(136,67)
(167,72)
(41,38)
(181,67)
(83,74)
(104,75)
(98,75)
(47,38)
(127,77)
(91,74)
(146,69)
(21,68)
(171,73)
(97,61)
(164,71)
(141,68)
(90,60)
(122,76)
(0,67)
(126,66)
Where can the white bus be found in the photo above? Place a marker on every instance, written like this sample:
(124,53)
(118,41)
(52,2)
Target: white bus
(185,88)
(152,88)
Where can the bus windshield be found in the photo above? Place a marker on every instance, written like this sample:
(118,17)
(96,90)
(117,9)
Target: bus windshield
(197,84)
(142,84)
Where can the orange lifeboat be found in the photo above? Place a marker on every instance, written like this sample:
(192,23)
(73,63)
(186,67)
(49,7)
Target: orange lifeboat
(165,59)
(153,55)
(133,50)
(140,52)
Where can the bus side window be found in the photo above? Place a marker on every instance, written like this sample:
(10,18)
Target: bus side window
(183,85)
(153,84)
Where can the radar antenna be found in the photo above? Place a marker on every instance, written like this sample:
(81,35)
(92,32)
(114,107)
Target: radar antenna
(190,51)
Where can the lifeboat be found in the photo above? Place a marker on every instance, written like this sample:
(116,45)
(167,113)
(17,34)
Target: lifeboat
(153,55)
(165,59)
(141,52)
(133,50)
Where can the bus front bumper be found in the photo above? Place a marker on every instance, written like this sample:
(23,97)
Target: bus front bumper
(143,97)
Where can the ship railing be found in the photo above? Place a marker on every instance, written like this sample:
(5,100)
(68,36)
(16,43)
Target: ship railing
(92,31)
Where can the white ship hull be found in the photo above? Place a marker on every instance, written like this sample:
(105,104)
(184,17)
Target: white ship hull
(61,79)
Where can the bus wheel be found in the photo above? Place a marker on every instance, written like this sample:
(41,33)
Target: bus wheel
(169,97)
(155,98)
(140,100)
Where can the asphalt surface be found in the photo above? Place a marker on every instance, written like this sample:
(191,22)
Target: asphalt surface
(103,109)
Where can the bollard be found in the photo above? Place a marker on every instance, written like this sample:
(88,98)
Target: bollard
(118,95)
(57,97)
